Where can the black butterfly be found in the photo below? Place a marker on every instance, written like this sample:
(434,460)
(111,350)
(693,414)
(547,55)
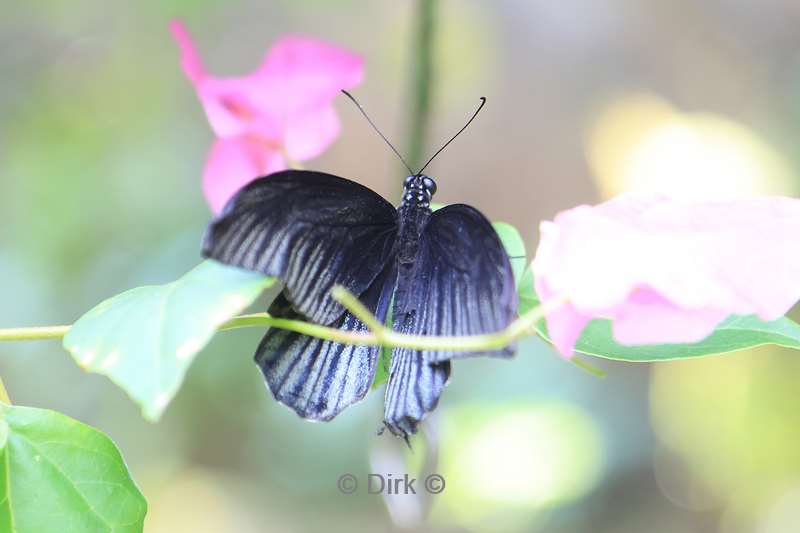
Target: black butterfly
(444,272)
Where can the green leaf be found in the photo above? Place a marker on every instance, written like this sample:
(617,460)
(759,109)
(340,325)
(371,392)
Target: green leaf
(527,294)
(385,356)
(734,333)
(60,476)
(146,338)
(515,247)
(384,364)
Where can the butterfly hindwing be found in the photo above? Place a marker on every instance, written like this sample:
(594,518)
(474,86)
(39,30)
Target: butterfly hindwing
(318,378)
(413,390)
(313,230)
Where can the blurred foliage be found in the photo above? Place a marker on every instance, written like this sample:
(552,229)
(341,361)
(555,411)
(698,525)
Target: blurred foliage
(507,463)
(101,148)
(730,422)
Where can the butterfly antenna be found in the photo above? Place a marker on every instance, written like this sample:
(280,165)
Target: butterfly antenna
(453,138)
(360,108)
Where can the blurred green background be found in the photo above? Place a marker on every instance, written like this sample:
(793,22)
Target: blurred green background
(102,143)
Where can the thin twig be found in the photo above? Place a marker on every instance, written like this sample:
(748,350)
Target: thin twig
(586,367)
(33,334)
(347,299)
(379,334)
(384,336)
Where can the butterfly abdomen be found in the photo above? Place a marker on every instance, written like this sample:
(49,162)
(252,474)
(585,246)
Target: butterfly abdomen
(411,224)
(412,220)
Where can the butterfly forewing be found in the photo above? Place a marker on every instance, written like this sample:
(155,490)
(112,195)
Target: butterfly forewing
(313,230)
(461,283)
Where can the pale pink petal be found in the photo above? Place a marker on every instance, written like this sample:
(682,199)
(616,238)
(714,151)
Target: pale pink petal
(564,324)
(669,271)
(190,60)
(649,318)
(231,111)
(232,164)
(226,106)
(287,100)
(310,133)
(228,102)
(299,74)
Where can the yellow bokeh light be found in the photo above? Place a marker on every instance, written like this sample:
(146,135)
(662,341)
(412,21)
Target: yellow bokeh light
(732,420)
(202,501)
(783,514)
(640,142)
(517,460)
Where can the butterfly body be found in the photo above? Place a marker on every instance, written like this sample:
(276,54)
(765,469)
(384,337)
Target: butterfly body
(446,272)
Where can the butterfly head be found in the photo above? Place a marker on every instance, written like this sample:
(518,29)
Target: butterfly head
(418,190)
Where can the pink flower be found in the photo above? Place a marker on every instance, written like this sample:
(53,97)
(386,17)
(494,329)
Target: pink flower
(667,271)
(282,110)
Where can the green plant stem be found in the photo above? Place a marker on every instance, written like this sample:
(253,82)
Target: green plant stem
(422,79)
(379,334)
